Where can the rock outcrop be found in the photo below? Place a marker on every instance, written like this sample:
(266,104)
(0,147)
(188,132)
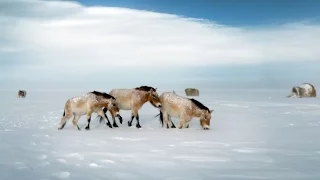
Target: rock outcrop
(192,92)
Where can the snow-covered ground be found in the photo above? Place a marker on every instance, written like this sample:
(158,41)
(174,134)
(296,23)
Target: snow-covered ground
(255,134)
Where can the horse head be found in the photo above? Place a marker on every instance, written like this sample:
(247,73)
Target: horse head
(294,92)
(113,108)
(153,98)
(205,119)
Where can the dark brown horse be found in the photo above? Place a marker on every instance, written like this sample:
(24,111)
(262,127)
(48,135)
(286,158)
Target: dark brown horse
(22,93)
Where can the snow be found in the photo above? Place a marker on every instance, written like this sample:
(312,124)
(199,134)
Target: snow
(255,134)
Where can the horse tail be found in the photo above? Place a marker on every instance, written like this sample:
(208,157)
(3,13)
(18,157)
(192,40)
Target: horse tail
(160,118)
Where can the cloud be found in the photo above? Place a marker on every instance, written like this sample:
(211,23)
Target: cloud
(53,34)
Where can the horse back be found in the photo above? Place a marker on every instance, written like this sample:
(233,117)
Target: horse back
(174,104)
(124,97)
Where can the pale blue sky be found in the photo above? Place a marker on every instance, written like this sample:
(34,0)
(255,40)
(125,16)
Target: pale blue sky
(48,44)
(229,12)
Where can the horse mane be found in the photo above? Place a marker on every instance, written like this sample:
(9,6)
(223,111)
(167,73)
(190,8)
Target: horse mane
(199,104)
(103,94)
(145,88)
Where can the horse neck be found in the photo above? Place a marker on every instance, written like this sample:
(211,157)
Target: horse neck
(102,104)
(98,101)
(197,112)
(143,96)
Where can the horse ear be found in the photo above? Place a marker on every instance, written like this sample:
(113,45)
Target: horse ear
(211,111)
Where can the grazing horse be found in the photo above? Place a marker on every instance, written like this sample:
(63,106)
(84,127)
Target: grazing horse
(22,93)
(133,99)
(89,103)
(184,108)
(303,91)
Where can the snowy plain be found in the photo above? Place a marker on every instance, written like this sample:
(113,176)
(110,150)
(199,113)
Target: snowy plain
(255,134)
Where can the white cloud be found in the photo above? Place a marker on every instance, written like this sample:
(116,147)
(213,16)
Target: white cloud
(67,33)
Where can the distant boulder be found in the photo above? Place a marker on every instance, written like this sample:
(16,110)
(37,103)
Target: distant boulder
(192,92)
(304,90)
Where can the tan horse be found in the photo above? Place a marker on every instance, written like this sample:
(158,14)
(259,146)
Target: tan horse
(184,108)
(89,103)
(134,99)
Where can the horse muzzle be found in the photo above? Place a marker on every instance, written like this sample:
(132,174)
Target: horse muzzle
(206,127)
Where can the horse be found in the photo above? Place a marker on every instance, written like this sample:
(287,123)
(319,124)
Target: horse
(133,99)
(184,108)
(302,91)
(22,93)
(91,102)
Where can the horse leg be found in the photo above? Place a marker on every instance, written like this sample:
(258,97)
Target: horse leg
(88,121)
(138,123)
(114,119)
(105,110)
(170,120)
(66,116)
(187,124)
(136,114)
(75,121)
(165,119)
(101,113)
(130,121)
(182,121)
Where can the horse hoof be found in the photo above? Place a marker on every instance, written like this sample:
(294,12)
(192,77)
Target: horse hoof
(129,124)
(115,125)
(87,128)
(138,126)
(109,125)
(120,119)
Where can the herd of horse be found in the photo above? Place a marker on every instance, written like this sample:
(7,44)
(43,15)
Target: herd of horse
(169,104)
